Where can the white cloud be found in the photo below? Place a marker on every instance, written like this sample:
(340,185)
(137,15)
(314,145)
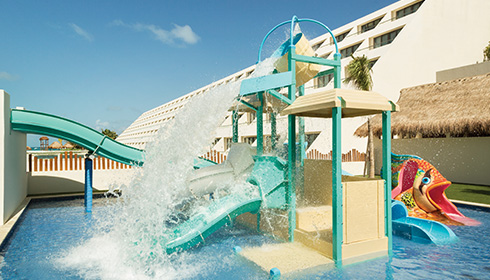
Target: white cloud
(117,22)
(160,34)
(85,35)
(100,125)
(179,34)
(185,33)
(7,76)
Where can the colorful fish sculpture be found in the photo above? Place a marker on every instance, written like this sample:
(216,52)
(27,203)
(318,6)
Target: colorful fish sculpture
(420,186)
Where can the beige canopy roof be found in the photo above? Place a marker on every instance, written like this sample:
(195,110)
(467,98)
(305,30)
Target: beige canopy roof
(354,103)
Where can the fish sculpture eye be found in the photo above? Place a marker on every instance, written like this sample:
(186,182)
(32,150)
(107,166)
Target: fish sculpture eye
(426,180)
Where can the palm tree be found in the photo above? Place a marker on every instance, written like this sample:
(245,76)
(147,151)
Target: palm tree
(358,73)
(486,52)
(109,133)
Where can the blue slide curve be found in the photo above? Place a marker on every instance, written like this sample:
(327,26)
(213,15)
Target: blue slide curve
(59,127)
(422,230)
(268,174)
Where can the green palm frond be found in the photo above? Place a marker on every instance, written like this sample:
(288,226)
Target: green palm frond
(358,73)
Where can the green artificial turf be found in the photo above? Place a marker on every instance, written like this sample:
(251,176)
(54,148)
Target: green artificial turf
(471,193)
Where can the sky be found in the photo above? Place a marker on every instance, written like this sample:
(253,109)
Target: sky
(104,63)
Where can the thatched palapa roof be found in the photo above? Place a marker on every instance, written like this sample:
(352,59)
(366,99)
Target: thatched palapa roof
(458,108)
(55,145)
(68,145)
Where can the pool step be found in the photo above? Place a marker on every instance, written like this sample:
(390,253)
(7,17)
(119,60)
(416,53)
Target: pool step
(314,228)
(321,241)
(314,219)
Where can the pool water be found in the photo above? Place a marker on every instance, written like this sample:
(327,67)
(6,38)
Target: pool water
(49,229)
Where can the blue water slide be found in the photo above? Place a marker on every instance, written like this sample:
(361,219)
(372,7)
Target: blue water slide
(59,127)
(268,174)
(425,231)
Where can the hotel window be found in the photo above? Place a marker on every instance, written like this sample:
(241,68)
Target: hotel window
(228,142)
(326,55)
(349,50)
(317,45)
(370,25)
(251,116)
(385,39)
(310,138)
(408,10)
(372,62)
(216,140)
(249,140)
(342,36)
(323,81)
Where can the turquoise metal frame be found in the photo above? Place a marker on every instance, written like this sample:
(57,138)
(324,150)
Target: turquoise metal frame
(292,21)
(235,126)
(288,79)
(260,124)
(386,175)
(337,189)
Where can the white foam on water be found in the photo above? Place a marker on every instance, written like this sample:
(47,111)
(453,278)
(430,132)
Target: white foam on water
(129,243)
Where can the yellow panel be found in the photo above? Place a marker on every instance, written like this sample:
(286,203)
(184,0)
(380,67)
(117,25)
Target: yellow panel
(317,182)
(304,71)
(361,211)
(381,209)
(313,219)
(367,247)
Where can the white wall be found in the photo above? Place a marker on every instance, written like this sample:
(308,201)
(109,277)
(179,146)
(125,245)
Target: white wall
(443,34)
(13,179)
(53,182)
(460,160)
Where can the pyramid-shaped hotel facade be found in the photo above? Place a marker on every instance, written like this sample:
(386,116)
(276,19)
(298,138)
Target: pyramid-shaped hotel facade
(406,42)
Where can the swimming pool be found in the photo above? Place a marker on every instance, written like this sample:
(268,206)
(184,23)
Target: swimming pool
(48,229)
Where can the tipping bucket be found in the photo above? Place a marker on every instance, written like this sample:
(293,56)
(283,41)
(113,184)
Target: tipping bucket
(304,71)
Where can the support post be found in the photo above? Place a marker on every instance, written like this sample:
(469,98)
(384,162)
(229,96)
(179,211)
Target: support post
(336,71)
(88,183)
(387,177)
(273,130)
(291,188)
(234,118)
(337,192)
(260,125)
(258,221)
(301,132)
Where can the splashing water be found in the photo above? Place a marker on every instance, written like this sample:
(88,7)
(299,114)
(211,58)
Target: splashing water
(128,243)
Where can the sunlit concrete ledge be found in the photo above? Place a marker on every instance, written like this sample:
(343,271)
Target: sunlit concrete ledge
(10,224)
